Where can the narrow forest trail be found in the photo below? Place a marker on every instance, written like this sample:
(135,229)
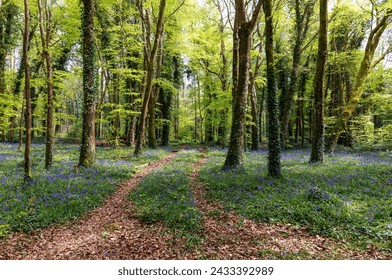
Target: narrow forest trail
(112,232)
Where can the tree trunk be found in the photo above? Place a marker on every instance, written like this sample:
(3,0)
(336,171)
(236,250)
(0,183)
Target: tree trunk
(236,146)
(317,154)
(255,118)
(301,102)
(27,167)
(45,32)
(152,139)
(209,113)
(114,99)
(222,127)
(149,78)
(255,145)
(22,115)
(234,156)
(274,145)
(177,116)
(131,85)
(87,149)
(261,123)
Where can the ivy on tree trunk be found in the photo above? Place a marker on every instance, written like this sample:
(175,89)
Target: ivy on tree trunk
(45,16)
(317,154)
(274,146)
(27,167)
(87,149)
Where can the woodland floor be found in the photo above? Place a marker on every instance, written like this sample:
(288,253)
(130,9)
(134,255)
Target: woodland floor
(113,232)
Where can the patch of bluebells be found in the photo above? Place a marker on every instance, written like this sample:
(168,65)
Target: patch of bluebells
(347,196)
(165,195)
(58,194)
(187,155)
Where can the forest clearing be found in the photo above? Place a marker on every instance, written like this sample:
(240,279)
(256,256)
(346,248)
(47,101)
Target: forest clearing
(195,129)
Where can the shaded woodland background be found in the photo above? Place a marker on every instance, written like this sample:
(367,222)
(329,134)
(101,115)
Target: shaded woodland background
(146,73)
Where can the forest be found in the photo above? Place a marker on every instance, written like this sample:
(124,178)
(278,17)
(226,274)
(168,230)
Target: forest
(195,129)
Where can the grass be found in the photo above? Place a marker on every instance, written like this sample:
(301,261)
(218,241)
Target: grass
(349,197)
(60,194)
(164,195)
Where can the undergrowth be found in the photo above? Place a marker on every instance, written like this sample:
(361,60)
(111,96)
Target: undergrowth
(60,194)
(349,197)
(164,195)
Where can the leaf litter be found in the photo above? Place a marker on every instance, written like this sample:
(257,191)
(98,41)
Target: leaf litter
(113,232)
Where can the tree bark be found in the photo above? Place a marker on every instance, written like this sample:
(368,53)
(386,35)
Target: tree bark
(222,126)
(234,156)
(255,118)
(149,78)
(45,32)
(87,149)
(27,167)
(209,113)
(317,154)
(152,139)
(274,145)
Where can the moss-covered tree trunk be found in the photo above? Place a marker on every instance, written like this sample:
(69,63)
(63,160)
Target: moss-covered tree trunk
(87,149)
(363,72)
(261,118)
(26,34)
(317,154)
(45,16)
(243,32)
(274,147)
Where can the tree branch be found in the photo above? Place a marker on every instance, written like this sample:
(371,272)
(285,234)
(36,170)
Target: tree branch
(255,14)
(175,11)
(388,51)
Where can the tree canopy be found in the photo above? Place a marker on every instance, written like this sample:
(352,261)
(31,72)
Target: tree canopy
(161,72)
